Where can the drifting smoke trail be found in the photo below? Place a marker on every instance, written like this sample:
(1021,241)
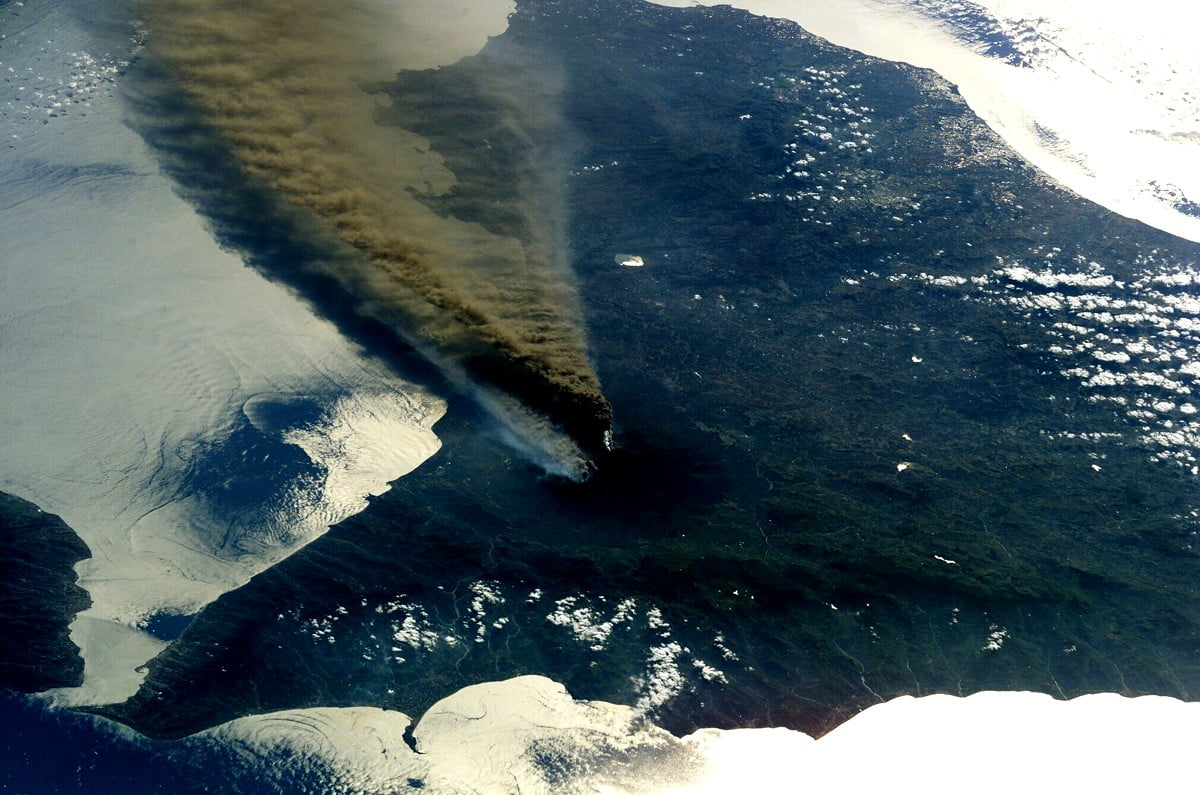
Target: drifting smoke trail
(296,90)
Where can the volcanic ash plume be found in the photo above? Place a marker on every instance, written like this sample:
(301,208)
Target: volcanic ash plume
(462,254)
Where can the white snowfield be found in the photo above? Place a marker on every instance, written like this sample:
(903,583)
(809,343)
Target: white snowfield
(528,735)
(1107,101)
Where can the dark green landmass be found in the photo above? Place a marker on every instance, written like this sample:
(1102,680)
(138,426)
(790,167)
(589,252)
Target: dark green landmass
(38,598)
(756,493)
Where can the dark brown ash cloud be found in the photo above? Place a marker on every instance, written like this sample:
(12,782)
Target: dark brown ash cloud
(469,264)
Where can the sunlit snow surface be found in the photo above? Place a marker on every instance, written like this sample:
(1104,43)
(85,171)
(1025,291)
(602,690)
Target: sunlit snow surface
(193,422)
(1102,96)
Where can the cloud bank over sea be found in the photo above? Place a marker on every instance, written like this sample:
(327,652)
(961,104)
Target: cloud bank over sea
(191,421)
(1099,96)
(529,734)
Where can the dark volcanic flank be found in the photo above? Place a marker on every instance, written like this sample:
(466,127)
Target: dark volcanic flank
(286,85)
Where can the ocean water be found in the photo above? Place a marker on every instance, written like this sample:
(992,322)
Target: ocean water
(896,415)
